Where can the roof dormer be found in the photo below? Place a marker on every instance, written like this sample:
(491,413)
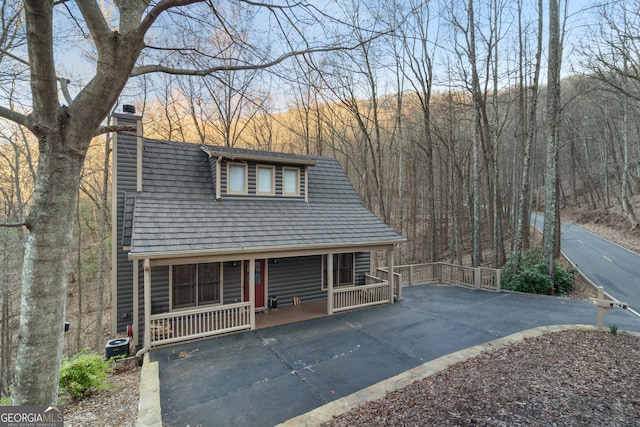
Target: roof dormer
(261,174)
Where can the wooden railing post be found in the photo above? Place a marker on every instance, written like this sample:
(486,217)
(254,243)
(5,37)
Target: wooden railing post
(147,303)
(391,276)
(252,291)
(330,283)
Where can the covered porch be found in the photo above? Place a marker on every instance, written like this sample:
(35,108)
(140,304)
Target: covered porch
(251,310)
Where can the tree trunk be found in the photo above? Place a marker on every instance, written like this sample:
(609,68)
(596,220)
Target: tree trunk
(551,243)
(78,325)
(5,329)
(523,208)
(44,274)
(102,230)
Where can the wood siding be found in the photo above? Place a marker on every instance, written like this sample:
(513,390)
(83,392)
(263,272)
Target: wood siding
(232,283)
(296,277)
(124,182)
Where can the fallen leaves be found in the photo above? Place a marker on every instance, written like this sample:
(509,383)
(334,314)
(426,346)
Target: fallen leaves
(563,378)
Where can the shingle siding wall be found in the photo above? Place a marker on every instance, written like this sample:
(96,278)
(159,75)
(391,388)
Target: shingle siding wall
(300,277)
(126,156)
(232,283)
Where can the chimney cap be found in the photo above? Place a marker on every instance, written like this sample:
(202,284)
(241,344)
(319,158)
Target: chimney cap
(128,108)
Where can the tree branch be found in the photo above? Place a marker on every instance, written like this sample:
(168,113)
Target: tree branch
(39,23)
(16,117)
(146,69)
(95,21)
(13,224)
(113,128)
(65,89)
(157,10)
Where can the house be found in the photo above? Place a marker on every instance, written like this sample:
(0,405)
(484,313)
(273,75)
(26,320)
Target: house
(203,237)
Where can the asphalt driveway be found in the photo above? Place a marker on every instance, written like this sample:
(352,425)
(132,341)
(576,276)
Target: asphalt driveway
(267,376)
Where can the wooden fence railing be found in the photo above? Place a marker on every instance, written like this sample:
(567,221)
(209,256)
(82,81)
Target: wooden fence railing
(185,325)
(440,272)
(375,292)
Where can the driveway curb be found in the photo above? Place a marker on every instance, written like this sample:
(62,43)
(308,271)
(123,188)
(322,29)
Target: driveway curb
(149,412)
(379,390)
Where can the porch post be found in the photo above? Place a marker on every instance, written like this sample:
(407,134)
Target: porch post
(147,303)
(329,283)
(136,303)
(391,275)
(252,291)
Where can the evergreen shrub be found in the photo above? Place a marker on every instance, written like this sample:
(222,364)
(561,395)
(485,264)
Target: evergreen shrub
(534,275)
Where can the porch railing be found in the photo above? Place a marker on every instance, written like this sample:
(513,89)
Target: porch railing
(185,325)
(375,292)
(451,274)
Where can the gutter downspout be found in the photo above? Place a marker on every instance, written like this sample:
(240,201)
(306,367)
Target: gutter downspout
(147,309)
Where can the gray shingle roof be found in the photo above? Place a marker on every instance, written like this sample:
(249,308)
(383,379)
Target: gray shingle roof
(177,211)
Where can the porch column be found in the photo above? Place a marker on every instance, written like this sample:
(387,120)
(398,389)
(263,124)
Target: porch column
(391,275)
(252,291)
(330,283)
(147,303)
(136,303)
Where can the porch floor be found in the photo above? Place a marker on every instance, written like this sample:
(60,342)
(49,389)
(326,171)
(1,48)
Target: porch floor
(291,313)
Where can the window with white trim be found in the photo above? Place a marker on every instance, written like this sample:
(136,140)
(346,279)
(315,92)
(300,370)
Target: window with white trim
(265,180)
(290,181)
(195,284)
(237,178)
(343,270)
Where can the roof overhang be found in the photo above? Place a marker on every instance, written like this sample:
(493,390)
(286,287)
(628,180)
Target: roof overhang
(163,258)
(258,157)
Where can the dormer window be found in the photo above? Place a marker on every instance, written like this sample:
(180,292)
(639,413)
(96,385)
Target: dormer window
(265,176)
(290,181)
(237,178)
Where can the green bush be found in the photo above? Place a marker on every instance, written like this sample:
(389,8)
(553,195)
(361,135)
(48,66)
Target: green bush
(534,275)
(82,373)
(533,281)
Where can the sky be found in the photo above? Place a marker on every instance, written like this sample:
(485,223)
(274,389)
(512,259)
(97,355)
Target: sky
(74,48)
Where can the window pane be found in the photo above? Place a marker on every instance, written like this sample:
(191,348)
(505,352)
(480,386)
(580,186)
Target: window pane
(237,179)
(265,180)
(290,185)
(184,285)
(345,266)
(209,283)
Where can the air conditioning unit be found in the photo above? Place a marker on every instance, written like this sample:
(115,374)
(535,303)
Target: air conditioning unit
(117,347)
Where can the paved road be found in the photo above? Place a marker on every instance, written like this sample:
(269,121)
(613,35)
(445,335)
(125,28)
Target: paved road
(267,376)
(604,263)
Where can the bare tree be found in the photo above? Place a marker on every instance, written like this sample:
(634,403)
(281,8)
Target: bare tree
(614,61)
(551,238)
(419,51)
(528,105)
(64,131)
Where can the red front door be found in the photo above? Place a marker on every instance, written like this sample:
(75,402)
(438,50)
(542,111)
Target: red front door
(259,282)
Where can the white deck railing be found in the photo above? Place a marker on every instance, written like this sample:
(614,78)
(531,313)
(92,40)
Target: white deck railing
(185,325)
(351,297)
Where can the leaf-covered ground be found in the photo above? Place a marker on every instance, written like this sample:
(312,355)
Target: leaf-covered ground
(577,378)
